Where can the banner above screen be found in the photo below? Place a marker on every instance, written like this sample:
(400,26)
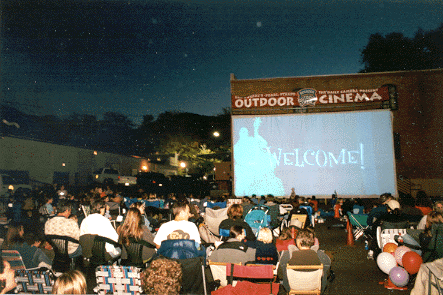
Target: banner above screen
(310,97)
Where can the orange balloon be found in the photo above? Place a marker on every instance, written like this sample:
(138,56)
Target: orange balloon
(411,262)
(390,247)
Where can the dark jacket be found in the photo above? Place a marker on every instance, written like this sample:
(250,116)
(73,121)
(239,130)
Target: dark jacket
(228,223)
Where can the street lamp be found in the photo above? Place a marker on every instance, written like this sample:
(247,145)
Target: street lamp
(183,164)
(216,134)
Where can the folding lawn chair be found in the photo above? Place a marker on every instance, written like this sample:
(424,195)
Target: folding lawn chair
(360,225)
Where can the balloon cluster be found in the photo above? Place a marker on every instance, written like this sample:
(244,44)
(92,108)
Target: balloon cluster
(399,262)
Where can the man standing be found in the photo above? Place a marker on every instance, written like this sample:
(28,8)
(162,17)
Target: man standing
(63,226)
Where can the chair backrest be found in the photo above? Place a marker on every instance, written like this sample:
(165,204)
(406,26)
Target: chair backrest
(358,220)
(135,252)
(117,280)
(99,253)
(213,218)
(387,235)
(14,258)
(300,217)
(34,281)
(62,262)
(255,272)
(218,270)
(304,279)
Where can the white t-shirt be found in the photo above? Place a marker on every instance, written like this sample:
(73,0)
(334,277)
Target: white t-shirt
(174,230)
(96,224)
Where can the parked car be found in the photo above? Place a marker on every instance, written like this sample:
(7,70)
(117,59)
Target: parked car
(112,176)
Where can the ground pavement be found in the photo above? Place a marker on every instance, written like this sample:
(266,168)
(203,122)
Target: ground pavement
(354,273)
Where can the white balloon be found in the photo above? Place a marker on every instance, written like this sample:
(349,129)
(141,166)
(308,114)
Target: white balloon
(386,262)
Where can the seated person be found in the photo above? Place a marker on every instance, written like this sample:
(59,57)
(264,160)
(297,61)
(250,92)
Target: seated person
(134,228)
(303,256)
(285,238)
(380,209)
(163,276)
(426,235)
(234,250)
(266,251)
(8,277)
(235,217)
(71,282)
(27,245)
(97,224)
(62,225)
(179,228)
(438,206)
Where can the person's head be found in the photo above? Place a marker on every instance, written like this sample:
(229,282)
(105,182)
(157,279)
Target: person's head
(99,206)
(434,217)
(422,199)
(181,210)
(49,199)
(14,235)
(64,208)
(235,211)
(305,239)
(265,235)
(285,234)
(71,282)
(140,206)
(385,198)
(163,276)
(237,232)
(33,239)
(131,227)
(246,200)
(438,206)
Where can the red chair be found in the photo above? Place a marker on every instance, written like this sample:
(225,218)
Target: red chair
(256,273)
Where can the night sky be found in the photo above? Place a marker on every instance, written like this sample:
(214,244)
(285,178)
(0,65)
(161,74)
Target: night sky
(147,57)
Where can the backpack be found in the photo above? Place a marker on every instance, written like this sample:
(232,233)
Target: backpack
(258,217)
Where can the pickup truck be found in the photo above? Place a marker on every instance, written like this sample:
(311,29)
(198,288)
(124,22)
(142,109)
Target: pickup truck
(112,176)
(9,183)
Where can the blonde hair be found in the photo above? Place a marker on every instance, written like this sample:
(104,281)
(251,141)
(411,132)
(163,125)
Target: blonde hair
(71,282)
(265,235)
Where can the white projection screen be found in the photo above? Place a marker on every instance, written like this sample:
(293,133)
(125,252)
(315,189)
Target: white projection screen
(350,153)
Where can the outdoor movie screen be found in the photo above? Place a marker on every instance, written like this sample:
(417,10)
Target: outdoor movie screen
(351,153)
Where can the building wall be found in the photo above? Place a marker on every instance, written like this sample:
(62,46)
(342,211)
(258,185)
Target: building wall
(418,121)
(46,162)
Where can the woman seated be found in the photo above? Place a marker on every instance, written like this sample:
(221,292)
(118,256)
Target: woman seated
(134,228)
(141,207)
(28,245)
(71,282)
(234,250)
(235,217)
(266,251)
(163,276)
(426,235)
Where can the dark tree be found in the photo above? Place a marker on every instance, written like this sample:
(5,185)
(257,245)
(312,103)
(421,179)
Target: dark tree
(395,52)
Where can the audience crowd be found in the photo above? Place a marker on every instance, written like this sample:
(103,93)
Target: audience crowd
(170,226)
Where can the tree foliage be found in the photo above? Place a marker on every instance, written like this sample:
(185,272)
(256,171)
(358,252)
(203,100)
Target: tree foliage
(395,52)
